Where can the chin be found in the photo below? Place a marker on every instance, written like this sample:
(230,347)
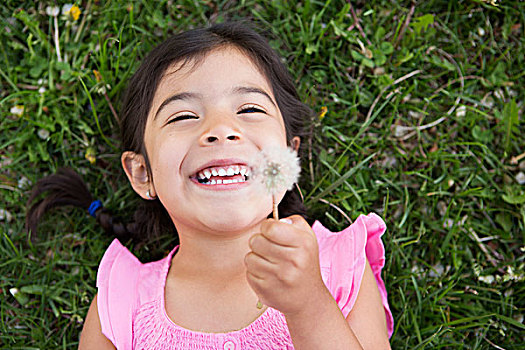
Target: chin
(235,220)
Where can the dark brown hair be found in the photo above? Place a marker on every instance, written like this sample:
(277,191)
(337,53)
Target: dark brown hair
(151,219)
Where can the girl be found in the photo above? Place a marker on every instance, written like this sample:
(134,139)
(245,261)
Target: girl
(199,108)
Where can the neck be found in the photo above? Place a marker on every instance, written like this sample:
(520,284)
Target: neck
(212,255)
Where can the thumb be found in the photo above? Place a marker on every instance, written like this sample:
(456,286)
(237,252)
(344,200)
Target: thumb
(298,221)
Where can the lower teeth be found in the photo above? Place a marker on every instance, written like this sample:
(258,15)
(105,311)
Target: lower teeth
(220,182)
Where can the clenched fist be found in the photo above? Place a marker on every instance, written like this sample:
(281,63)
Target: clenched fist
(283,265)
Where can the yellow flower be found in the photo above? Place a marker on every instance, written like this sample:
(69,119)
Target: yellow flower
(97,75)
(90,155)
(324,110)
(75,12)
(71,10)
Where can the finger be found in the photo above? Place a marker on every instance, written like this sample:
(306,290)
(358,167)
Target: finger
(280,233)
(299,222)
(285,234)
(269,250)
(256,284)
(258,266)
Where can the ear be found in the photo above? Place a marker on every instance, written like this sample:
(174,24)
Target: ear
(137,172)
(296,142)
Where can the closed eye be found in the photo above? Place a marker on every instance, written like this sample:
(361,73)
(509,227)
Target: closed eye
(251,109)
(182,117)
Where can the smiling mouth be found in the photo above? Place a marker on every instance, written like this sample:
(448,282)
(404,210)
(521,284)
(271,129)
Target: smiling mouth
(223,175)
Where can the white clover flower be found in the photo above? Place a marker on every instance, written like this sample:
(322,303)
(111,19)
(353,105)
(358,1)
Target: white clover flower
(448,223)
(416,269)
(461,111)
(414,114)
(43,134)
(42,90)
(520,178)
(400,130)
(487,279)
(102,89)
(488,102)
(17,110)
(277,169)
(510,275)
(436,271)
(481,31)
(5,215)
(66,9)
(23,182)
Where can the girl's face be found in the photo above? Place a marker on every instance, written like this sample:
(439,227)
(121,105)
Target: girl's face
(208,120)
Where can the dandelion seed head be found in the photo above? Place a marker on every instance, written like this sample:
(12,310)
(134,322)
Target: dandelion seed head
(277,169)
(52,11)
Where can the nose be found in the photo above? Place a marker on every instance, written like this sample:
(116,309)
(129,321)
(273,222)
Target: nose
(221,131)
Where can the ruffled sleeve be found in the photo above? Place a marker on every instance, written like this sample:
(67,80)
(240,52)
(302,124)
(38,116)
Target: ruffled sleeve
(116,283)
(343,255)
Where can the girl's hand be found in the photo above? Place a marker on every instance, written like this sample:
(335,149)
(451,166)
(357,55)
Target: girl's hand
(283,266)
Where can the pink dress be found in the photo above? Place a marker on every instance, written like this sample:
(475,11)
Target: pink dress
(131,294)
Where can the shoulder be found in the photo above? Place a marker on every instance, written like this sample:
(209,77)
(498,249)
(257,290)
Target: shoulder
(353,244)
(119,268)
(116,262)
(124,283)
(343,257)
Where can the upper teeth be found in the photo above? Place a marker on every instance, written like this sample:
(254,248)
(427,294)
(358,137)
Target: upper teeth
(223,171)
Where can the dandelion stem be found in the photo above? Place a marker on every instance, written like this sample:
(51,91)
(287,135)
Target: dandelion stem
(57,42)
(275,211)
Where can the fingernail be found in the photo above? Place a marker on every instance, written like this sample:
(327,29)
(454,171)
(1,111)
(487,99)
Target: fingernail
(286,221)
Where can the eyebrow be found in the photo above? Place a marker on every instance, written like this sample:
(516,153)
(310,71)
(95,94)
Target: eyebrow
(238,90)
(251,90)
(177,97)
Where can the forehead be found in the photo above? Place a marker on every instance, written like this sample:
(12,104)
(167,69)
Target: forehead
(220,68)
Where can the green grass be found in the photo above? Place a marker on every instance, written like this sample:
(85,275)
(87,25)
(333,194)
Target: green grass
(424,124)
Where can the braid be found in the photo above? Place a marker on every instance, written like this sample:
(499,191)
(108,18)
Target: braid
(113,226)
(66,188)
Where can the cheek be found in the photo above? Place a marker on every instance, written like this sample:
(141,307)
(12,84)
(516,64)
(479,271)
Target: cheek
(272,134)
(166,158)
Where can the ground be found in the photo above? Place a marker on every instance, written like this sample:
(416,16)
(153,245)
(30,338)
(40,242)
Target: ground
(418,116)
